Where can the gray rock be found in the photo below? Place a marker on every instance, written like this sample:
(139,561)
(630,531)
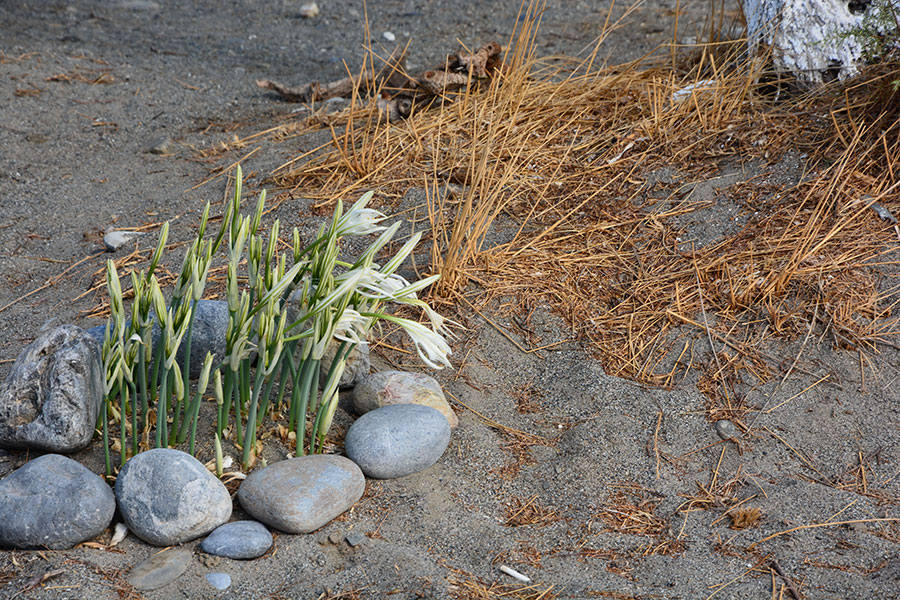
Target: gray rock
(210,326)
(51,398)
(53,502)
(398,440)
(162,145)
(208,335)
(399,387)
(220,581)
(238,540)
(160,569)
(167,497)
(302,494)
(354,538)
(726,429)
(357,365)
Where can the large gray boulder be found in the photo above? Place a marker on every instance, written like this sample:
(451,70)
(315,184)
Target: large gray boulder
(167,497)
(52,396)
(53,502)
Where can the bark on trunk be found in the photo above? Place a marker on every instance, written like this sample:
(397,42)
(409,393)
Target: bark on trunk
(817,40)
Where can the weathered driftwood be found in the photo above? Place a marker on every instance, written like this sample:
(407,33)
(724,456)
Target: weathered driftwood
(391,73)
(817,40)
(400,91)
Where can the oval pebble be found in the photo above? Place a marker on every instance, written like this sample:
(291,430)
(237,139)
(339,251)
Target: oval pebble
(399,387)
(160,569)
(300,495)
(220,581)
(238,540)
(398,440)
(726,429)
(53,502)
(167,497)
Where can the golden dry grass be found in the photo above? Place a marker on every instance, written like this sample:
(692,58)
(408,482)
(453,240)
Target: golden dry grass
(563,155)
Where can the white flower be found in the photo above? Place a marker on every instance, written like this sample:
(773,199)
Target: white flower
(351,327)
(432,348)
(360,220)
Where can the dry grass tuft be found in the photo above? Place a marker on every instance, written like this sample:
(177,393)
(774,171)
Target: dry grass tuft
(465,586)
(632,510)
(529,511)
(743,518)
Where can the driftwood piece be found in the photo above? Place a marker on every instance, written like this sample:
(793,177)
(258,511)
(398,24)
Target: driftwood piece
(440,82)
(400,91)
(392,73)
(481,63)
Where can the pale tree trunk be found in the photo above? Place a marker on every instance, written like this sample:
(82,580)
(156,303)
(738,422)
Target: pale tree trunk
(817,40)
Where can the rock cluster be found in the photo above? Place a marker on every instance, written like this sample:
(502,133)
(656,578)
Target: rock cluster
(166,497)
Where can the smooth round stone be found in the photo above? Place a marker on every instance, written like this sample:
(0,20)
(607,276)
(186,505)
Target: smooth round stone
(53,502)
(238,540)
(160,569)
(399,387)
(167,497)
(398,440)
(220,581)
(300,495)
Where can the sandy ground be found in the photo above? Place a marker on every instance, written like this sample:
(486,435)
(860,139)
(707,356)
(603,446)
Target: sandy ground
(591,485)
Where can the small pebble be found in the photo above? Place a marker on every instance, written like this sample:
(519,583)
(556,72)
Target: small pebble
(238,540)
(334,538)
(726,429)
(116,239)
(160,146)
(309,10)
(387,35)
(354,538)
(220,581)
(160,569)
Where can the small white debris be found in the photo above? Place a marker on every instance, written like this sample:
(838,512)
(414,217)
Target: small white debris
(116,239)
(119,534)
(389,36)
(704,85)
(515,574)
(309,10)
